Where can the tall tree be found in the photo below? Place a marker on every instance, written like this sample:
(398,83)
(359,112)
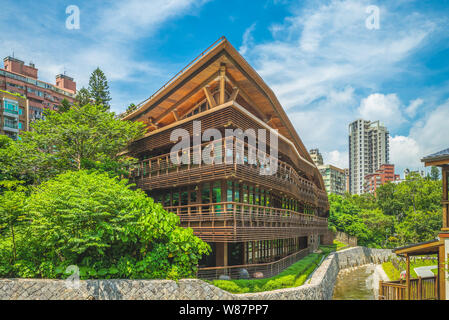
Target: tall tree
(83,97)
(82,136)
(64,105)
(434,173)
(99,88)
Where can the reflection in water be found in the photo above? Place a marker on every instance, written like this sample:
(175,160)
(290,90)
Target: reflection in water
(355,284)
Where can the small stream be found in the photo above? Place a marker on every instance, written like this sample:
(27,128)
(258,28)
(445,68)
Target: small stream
(356,284)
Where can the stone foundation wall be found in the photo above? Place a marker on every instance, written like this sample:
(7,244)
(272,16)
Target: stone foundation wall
(320,286)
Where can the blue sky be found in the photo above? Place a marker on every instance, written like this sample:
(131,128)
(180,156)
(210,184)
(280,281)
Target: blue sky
(325,66)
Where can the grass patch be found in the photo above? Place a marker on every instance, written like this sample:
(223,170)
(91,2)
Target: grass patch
(393,270)
(340,245)
(293,276)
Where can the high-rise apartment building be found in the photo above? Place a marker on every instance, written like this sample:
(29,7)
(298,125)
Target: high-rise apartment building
(368,150)
(334,179)
(316,156)
(17,77)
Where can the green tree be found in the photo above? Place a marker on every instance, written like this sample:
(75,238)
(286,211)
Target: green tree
(64,106)
(99,88)
(434,173)
(82,137)
(83,97)
(12,210)
(109,230)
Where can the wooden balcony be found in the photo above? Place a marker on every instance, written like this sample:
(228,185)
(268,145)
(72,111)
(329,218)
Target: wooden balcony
(238,222)
(420,289)
(160,172)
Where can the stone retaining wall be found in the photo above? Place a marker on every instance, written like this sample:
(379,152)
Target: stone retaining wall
(320,286)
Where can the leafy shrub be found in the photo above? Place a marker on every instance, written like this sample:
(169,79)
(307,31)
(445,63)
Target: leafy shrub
(99,224)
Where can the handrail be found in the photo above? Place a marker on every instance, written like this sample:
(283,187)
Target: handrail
(255,264)
(289,170)
(224,209)
(172,79)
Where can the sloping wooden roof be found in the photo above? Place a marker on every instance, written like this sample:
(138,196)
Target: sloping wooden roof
(437,159)
(186,87)
(423,248)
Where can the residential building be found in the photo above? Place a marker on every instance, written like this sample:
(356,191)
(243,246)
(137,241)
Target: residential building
(368,150)
(17,77)
(14,114)
(347,185)
(382,175)
(407,172)
(316,156)
(249,219)
(334,179)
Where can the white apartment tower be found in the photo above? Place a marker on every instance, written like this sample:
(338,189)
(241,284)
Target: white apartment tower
(368,150)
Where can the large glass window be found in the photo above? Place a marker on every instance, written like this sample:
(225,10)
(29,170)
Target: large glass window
(236,192)
(184,197)
(216,192)
(205,193)
(176,198)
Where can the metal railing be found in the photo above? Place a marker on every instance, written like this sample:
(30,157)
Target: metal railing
(265,270)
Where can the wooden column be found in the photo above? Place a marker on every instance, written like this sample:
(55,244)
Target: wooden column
(441,274)
(444,172)
(222,84)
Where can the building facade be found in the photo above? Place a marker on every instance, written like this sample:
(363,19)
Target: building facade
(316,157)
(382,175)
(247,217)
(14,114)
(334,179)
(368,150)
(17,77)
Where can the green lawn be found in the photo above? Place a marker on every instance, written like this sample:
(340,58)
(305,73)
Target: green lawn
(394,273)
(293,276)
(340,245)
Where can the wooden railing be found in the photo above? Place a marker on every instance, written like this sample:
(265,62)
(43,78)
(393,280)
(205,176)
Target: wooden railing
(235,221)
(420,289)
(160,171)
(265,269)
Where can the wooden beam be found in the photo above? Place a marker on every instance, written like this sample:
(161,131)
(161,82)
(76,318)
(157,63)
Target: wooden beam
(210,98)
(234,94)
(187,96)
(246,97)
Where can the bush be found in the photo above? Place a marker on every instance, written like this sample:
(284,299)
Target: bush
(99,224)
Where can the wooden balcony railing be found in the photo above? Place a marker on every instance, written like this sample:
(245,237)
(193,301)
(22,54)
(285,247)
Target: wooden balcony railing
(160,171)
(420,289)
(266,269)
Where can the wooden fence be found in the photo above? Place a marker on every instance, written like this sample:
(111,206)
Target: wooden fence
(420,289)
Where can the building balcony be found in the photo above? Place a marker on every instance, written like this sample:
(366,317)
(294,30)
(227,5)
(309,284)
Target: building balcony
(240,222)
(160,172)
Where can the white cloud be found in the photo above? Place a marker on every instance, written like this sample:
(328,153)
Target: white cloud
(337,158)
(432,133)
(107,39)
(413,107)
(385,108)
(247,39)
(404,153)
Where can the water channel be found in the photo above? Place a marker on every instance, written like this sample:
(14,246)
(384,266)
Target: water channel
(356,284)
